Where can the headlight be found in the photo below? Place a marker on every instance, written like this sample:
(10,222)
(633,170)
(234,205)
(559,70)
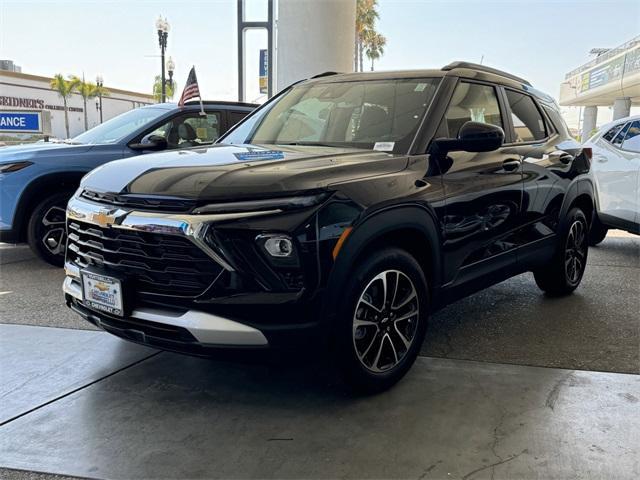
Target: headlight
(13,167)
(282,203)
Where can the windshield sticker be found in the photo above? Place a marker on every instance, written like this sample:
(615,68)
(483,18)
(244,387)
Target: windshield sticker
(420,87)
(259,155)
(384,146)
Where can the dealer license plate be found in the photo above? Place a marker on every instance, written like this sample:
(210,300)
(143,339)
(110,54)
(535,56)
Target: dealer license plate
(102,292)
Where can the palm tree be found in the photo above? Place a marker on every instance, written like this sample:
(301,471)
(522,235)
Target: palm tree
(366,16)
(65,90)
(86,90)
(374,46)
(157,89)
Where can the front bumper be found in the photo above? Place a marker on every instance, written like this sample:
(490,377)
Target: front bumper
(162,312)
(164,327)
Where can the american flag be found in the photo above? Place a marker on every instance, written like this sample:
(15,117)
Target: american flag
(191,89)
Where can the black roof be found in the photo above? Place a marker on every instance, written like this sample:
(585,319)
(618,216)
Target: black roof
(223,103)
(455,69)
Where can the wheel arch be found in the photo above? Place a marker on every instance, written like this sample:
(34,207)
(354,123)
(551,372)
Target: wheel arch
(412,228)
(584,198)
(39,189)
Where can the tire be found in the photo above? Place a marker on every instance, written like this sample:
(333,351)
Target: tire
(46,231)
(564,272)
(597,233)
(378,351)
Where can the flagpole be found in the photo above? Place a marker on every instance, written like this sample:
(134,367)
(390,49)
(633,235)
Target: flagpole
(199,95)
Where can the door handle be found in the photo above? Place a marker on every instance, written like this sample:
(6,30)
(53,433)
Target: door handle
(511,165)
(566,158)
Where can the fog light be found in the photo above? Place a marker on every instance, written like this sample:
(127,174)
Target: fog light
(278,246)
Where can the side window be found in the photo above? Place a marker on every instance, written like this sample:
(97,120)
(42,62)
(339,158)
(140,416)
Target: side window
(612,132)
(206,127)
(631,140)
(617,140)
(528,123)
(472,102)
(235,117)
(190,130)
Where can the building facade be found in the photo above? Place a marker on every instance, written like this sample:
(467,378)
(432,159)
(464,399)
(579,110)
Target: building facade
(612,79)
(27,93)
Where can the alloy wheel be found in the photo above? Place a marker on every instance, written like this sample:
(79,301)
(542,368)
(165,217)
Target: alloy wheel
(54,232)
(385,321)
(576,252)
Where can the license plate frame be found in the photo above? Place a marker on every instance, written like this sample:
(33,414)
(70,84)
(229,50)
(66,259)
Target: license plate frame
(102,292)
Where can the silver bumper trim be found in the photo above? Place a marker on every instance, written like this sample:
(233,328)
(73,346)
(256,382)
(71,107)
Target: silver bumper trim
(205,327)
(193,227)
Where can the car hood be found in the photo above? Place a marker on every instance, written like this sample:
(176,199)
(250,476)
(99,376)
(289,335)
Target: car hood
(37,151)
(240,171)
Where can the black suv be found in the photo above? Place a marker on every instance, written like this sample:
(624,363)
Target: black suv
(341,213)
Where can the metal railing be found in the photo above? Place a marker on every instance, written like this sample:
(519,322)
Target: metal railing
(604,57)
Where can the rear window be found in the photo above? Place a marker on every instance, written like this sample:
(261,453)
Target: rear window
(527,120)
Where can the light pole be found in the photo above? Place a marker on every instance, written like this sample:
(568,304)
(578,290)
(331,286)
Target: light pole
(99,84)
(163,33)
(171,66)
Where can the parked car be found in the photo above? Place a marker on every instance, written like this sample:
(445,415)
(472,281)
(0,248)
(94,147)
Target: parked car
(37,180)
(341,213)
(616,175)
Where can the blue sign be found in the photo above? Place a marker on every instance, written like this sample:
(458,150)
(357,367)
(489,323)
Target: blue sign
(264,71)
(21,122)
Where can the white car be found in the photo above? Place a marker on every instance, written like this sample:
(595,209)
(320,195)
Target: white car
(615,168)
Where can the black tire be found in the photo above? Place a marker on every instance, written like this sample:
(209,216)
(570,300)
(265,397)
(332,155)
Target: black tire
(403,272)
(46,232)
(563,273)
(597,233)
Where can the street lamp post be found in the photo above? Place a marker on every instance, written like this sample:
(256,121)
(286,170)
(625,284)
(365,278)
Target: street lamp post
(171,66)
(99,84)
(163,33)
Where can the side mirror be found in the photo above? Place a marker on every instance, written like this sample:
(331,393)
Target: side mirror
(473,137)
(150,142)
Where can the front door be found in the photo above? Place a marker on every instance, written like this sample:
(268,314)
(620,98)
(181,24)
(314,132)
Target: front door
(615,166)
(483,194)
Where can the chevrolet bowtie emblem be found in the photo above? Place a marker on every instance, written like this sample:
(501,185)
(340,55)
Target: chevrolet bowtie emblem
(104,218)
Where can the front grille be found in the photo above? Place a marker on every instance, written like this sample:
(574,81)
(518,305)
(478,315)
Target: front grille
(159,203)
(157,263)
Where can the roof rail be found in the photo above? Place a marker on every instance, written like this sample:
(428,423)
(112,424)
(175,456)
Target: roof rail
(325,74)
(483,68)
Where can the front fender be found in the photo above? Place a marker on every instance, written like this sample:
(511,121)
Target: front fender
(379,226)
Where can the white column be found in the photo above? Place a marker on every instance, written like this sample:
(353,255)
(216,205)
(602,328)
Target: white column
(313,36)
(589,118)
(621,108)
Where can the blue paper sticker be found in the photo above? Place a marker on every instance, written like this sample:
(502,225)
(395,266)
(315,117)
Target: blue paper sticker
(259,155)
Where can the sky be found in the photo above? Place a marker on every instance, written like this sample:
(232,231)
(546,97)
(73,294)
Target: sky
(537,40)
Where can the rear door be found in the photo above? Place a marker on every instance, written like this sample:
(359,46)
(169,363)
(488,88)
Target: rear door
(483,192)
(547,155)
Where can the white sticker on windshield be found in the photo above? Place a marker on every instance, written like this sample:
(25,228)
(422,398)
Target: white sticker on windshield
(384,146)
(420,87)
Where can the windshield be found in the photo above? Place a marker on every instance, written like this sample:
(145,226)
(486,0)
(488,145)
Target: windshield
(375,114)
(119,127)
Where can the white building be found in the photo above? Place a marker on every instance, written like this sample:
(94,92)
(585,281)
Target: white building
(24,92)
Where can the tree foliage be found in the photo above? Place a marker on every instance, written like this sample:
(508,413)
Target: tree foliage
(157,89)
(368,41)
(65,90)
